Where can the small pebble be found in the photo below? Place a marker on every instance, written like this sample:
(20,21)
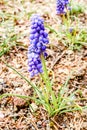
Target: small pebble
(33,128)
(33,107)
(1,81)
(1,115)
(39,124)
(1,88)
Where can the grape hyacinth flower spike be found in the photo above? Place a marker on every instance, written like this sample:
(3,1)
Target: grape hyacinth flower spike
(38,41)
(61,5)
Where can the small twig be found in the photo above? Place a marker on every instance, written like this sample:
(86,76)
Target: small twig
(58,58)
(57,125)
(35,126)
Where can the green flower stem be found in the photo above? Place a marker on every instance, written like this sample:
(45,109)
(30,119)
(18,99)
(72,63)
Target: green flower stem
(46,79)
(68,19)
(64,19)
(45,92)
(45,70)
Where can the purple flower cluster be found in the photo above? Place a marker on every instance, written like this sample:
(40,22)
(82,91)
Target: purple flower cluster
(38,41)
(61,5)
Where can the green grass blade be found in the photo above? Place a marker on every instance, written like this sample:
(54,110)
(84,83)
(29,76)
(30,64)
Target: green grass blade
(31,84)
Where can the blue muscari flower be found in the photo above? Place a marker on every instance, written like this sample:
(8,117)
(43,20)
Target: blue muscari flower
(61,5)
(37,32)
(38,41)
(66,2)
